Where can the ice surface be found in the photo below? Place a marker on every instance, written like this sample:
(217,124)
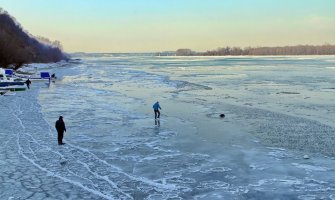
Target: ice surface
(277,110)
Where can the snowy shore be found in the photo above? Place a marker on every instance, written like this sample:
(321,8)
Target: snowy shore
(29,157)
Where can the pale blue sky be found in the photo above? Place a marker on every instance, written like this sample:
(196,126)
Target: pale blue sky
(157,25)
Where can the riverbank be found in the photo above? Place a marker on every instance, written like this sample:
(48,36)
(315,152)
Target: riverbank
(28,141)
(18,47)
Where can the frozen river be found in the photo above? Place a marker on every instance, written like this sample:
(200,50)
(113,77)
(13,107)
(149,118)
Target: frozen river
(277,110)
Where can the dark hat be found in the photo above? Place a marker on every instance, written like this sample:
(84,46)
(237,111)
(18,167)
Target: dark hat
(60,117)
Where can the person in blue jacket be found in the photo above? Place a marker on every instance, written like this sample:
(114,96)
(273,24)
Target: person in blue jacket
(156,108)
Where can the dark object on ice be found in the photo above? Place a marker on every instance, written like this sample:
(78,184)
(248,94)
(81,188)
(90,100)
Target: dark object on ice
(28,82)
(156,108)
(60,127)
(53,76)
(222,115)
(63,162)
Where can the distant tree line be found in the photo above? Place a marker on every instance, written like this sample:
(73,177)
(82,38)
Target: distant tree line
(17,47)
(165,53)
(325,49)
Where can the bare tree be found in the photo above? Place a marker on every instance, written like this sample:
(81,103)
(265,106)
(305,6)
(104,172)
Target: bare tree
(18,47)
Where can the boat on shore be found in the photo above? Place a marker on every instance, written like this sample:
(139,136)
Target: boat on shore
(33,76)
(10,82)
(13,88)
(43,76)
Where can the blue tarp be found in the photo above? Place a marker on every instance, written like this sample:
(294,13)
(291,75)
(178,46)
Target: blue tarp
(9,72)
(45,75)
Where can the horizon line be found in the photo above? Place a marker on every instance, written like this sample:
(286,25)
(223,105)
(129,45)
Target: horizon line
(324,44)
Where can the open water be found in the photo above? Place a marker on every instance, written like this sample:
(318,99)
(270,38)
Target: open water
(277,110)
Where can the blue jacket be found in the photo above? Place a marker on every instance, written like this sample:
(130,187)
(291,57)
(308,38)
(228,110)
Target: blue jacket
(156,106)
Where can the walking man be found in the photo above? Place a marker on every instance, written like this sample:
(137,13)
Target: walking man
(28,82)
(60,127)
(156,108)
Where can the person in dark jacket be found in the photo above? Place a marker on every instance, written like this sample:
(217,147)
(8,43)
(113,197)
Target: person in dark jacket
(156,108)
(60,127)
(28,82)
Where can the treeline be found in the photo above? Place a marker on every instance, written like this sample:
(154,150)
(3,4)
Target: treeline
(326,49)
(17,47)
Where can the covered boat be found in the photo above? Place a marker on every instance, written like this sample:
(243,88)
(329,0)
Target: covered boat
(10,80)
(43,76)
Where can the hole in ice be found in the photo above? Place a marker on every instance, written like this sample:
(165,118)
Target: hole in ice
(216,115)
